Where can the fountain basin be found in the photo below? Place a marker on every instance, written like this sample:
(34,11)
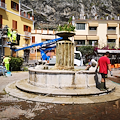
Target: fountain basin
(61,78)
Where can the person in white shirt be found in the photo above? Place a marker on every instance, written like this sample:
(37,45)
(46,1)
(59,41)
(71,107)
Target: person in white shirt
(91,62)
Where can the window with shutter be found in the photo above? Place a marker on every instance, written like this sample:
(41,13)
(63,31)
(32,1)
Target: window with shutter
(24,27)
(3,1)
(14,5)
(0,21)
(14,24)
(17,7)
(11,4)
(27,28)
(33,39)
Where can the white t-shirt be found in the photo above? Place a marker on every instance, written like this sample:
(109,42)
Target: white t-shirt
(93,61)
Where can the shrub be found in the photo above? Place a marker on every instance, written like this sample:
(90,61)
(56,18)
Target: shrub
(86,50)
(16,63)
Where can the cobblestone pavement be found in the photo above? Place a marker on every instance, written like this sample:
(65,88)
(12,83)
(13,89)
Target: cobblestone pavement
(17,109)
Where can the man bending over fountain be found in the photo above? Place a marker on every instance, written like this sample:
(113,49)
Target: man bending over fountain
(91,62)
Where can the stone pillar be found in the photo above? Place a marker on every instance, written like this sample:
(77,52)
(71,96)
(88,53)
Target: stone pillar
(65,53)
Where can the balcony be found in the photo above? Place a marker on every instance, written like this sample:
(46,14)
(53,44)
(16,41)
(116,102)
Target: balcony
(26,12)
(3,5)
(27,34)
(25,45)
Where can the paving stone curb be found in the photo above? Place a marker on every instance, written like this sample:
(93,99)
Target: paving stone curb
(114,95)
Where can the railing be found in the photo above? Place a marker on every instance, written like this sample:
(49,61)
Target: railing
(27,34)
(25,15)
(3,5)
(25,45)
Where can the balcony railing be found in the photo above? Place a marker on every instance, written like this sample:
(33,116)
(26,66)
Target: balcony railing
(26,12)
(25,15)
(27,34)
(25,45)
(3,5)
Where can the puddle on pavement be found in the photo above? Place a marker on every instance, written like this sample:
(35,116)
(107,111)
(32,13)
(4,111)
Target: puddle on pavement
(14,108)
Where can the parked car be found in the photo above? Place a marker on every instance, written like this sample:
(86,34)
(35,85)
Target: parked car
(78,60)
(52,60)
(2,69)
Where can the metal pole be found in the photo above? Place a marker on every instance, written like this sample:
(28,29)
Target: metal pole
(36,53)
(2,51)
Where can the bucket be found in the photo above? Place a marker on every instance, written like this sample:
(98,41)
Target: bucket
(8,74)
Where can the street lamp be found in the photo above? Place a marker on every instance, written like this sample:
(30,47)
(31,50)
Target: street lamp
(3,35)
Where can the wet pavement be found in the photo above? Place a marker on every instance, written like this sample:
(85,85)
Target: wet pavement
(12,108)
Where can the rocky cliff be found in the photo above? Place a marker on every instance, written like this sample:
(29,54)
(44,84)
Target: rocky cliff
(50,13)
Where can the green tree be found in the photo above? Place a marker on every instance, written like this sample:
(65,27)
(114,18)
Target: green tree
(86,50)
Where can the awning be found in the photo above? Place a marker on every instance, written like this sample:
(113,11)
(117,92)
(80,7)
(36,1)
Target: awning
(93,24)
(112,24)
(111,36)
(110,51)
(92,37)
(78,37)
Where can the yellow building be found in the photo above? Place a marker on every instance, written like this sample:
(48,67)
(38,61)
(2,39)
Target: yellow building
(97,32)
(20,18)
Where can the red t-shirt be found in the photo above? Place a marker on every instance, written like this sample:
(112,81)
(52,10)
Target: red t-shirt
(103,64)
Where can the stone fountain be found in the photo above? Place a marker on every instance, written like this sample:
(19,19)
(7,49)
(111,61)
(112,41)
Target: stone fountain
(63,75)
(62,79)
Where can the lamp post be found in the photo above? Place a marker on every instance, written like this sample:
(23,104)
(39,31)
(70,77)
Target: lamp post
(1,45)
(4,35)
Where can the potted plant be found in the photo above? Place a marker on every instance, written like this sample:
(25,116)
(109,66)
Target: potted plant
(66,30)
(112,18)
(66,27)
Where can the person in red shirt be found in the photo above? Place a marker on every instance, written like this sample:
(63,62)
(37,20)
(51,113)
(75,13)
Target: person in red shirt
(104,66)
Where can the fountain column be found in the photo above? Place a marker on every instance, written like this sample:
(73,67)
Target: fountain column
(65,52)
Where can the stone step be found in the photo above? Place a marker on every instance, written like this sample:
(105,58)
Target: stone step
(24,85)
(14,91)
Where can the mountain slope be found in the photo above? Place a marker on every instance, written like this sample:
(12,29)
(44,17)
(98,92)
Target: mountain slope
(50,13)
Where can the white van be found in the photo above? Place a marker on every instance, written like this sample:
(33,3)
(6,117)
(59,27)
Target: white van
(77,59)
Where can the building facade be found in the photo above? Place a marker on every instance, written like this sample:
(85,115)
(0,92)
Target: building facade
(98,33)
(19,18)
(39,36)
